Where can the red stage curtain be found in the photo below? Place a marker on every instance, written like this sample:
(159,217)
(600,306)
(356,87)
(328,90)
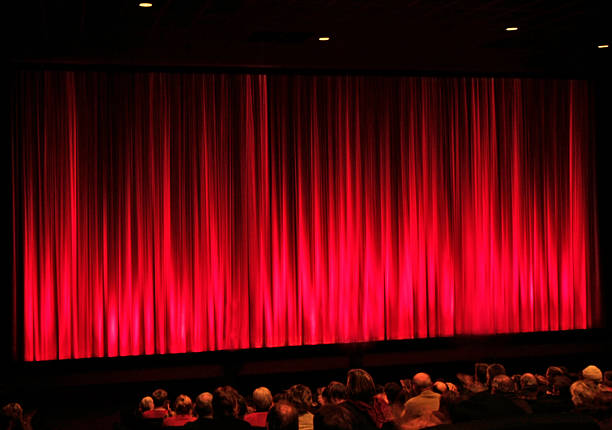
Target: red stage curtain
(174,212)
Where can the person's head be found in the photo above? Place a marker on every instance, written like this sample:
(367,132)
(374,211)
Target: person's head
(440,387)
(301,397)
(360,386)
(182,405)
(493,370)
(584,394)
(551,372)
(262,399)
(502,384)
(392,390)
(283,416)
(336,392)
(225,402)
(333,417)
(203,405)
(561,386)
(421,382)
(146,404)
(159,398)
(592,373)
(480,372)
(528,382)
(13,411)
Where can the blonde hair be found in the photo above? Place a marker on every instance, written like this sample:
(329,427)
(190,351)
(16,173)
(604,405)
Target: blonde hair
(146,404)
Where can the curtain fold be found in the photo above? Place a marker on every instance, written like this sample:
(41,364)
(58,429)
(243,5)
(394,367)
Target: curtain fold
(173,212)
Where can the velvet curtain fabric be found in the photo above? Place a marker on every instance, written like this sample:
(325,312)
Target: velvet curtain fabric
(173,212)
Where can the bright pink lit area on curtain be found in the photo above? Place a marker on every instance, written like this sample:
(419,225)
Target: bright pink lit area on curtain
(165,213)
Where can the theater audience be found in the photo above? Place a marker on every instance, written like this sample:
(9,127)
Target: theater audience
(501,401)
(283,416)
(262,400)
(160,403)
(568,400)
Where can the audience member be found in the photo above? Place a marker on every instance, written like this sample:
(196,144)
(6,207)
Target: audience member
(146,404)
(13,419)
(204,412)
(301,397)
(492,371)
(366,411)
(336,392)
(183,415)
(584,394)
(528,387)
(425,401)
(262,400)
(333,417)
(283,416)
(592,374)
(226,408)
(160,403)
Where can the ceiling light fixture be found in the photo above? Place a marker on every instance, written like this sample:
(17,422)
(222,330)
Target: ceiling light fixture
(511,28)
(603,46)
(323,38)
(145,4)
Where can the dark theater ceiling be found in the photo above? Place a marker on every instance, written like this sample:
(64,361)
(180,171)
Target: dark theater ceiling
(415,36)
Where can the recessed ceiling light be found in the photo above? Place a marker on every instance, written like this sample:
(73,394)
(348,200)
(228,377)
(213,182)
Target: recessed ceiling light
(511,28)
(603,46)
(145,4)
(323,38)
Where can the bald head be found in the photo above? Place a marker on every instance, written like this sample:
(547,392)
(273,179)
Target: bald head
(262,398)
(203,405)
(421,381)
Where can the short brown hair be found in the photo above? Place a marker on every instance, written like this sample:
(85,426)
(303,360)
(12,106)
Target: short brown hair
(159,397)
